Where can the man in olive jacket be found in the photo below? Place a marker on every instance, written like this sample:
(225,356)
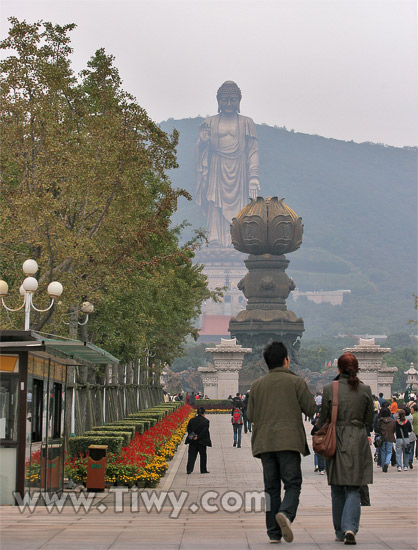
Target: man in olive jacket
(275,407)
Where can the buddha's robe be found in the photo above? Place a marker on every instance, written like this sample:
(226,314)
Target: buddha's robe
(225,164)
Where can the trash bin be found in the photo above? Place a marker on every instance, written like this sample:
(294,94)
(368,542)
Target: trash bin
(96,467)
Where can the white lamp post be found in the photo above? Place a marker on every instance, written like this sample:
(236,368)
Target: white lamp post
(28,288)
(86,308)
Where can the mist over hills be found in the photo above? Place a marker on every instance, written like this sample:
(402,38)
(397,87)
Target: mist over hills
(358,203)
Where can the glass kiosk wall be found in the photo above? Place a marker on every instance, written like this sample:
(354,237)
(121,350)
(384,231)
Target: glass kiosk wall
(44,457)
(32,405)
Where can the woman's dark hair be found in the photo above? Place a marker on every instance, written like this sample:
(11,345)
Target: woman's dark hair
(407,411)
(201,410)
(348,364)
(384,412)
(384,405)
(401,414)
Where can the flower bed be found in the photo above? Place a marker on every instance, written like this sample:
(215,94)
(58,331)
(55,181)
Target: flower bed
(213,404)
(144,460)
(219,411)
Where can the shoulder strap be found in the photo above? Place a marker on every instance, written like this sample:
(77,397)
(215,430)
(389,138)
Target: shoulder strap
(335,386)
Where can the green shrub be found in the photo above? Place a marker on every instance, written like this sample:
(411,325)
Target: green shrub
(126,436)
(80,445)
(151,419)
(155,415)
(139,425)
(111,428)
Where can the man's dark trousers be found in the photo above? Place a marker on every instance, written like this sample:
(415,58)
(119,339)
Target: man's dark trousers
(281,466)
(195,449)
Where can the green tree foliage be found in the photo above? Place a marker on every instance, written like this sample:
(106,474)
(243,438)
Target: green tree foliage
(398,340)
(315,353)
(85,193)
(193,356)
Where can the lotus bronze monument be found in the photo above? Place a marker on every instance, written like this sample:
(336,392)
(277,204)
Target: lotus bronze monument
(266,229)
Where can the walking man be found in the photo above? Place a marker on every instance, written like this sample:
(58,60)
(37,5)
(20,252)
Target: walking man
(275,407)
(237,419)
(247,423)
(198,438)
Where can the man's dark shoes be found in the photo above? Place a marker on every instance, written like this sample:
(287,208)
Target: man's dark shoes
(410,464)
(234,445)
(285,527)
(239,446)
(385,468)
(349,538)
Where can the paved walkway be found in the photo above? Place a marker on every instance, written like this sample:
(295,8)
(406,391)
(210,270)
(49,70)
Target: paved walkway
(390,523)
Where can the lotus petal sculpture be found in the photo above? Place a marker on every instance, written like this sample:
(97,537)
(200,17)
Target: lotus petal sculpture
(267,226)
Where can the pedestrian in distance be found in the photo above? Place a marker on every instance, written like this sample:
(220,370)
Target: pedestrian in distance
(394,408)
(247,423)
(319,461)
(275,407)
(385,429)
(403,429)
(198,439)
(237,419)
(352,465)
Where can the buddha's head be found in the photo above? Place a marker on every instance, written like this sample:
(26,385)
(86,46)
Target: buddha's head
(229,98)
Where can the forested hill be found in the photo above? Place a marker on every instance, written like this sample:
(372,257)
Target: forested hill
(358,203)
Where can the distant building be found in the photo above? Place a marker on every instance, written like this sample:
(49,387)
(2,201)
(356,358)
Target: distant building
(333,297)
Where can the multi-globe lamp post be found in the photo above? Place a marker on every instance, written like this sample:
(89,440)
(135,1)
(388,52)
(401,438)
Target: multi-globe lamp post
(27,289)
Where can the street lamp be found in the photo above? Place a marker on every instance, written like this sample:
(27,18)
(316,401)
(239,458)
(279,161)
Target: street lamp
(86,308)
(28,288)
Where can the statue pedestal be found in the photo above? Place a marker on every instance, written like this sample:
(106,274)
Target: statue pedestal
(266,318)
(220,380)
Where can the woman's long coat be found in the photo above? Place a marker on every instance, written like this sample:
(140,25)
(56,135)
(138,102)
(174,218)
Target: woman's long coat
(352,463)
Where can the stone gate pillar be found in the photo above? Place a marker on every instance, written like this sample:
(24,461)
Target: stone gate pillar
(221,379)
(373,371)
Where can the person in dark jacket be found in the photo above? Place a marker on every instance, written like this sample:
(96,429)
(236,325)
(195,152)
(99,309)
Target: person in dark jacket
(403,427)
(386,428)
(237,402)
(247,423)
(275,407)
(198,438)
(352,465)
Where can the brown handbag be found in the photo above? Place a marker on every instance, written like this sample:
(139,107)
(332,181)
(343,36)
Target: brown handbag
(324,442)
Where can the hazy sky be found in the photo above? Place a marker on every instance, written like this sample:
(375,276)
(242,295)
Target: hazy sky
(345,69)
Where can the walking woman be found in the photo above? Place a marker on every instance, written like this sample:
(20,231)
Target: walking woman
(403,427)
(352,465)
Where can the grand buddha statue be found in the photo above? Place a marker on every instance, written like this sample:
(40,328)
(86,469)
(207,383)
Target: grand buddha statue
(227,164)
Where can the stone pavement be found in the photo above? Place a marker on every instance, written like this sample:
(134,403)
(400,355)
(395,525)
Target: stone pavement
(390,523)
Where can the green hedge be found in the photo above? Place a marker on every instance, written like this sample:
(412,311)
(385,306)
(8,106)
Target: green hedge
(152,419)
(80,444)
(148,414)
(111,428)
(140,426)
(127,435)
